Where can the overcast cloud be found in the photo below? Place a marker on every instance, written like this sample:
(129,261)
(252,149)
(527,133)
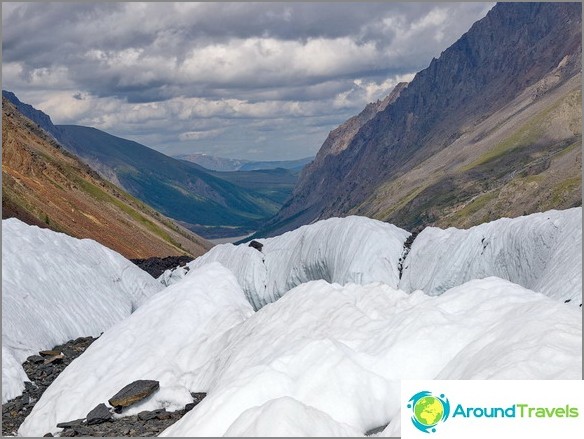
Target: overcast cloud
(242,80)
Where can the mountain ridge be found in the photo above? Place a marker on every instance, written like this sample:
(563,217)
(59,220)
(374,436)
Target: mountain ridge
(197,198)
(516,46)
(44,185)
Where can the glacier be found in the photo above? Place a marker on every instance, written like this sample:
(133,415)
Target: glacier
(169,338)
(324,358)
(56,288)
(313,334)
(342,250)
(542,252)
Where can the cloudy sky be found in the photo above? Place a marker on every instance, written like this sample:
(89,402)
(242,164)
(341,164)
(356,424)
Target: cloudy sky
(242,80)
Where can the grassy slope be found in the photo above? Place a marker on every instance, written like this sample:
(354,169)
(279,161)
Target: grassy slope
(528,161)
(179,189)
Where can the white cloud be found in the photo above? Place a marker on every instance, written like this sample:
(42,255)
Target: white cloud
(220,76)
(197,135)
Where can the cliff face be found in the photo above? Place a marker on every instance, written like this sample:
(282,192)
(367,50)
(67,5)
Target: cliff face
(518,62)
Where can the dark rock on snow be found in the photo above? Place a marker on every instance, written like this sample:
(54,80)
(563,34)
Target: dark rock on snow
(99,414)
(257,245)
(134,392)
(156,266)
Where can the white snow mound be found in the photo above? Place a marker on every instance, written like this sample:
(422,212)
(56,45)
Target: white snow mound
(542,252)
(340,250)
(329,358)
(170,338)
(56,288)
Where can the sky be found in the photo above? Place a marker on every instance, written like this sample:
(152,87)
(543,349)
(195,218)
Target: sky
(256,81)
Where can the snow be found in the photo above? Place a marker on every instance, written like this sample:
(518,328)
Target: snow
(343,351)
(542,252)
(335,330)
(325,359)
(56,288)
(288,417)
(341,250)
(170,338)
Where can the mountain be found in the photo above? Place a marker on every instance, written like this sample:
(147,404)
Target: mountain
(184,191)
(275,185)
(223,164)
(44,185)
(491,128)
(294,165)
(334,338)
(211,162)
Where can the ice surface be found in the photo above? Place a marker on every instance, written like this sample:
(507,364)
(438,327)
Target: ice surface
(542,252)
(287,417)
(324,358)
(343,351)
(328,357)
(56,288)
(340,250)
(170,338)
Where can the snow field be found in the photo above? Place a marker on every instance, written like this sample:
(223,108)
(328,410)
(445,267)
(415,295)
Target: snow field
(324,358)
(56,288)
(339,250)
(169,339)
(542,252)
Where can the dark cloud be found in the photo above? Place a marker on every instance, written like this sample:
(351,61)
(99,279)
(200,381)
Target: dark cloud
(155,71)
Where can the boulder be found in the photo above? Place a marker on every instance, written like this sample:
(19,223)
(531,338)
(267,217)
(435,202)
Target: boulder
(257,245)
(134,392)
(99,414)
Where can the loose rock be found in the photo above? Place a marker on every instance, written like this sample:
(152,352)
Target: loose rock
(134,392)
(257,245)
(99,415)
(51,353)
(41,375)
(71,424)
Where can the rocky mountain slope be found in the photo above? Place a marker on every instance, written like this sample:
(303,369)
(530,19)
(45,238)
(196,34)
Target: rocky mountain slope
(184,191)
(44,185)
(491,128)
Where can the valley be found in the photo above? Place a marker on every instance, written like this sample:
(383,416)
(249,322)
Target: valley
(435,235)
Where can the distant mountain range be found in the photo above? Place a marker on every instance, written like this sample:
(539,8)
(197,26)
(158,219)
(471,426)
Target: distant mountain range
(491,128)
(44,185)
(210,203)
(223,164)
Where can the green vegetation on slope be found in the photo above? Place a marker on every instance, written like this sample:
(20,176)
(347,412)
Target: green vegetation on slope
(179,189)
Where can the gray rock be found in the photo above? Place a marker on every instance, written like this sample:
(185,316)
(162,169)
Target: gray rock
(154,414)
(71,424)
(51,353)
(134,392)
(99,415)
(198,396)
(257,245)
(376,430)
(35,359)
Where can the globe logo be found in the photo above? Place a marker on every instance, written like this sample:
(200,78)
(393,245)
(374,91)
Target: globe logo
(428,410)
